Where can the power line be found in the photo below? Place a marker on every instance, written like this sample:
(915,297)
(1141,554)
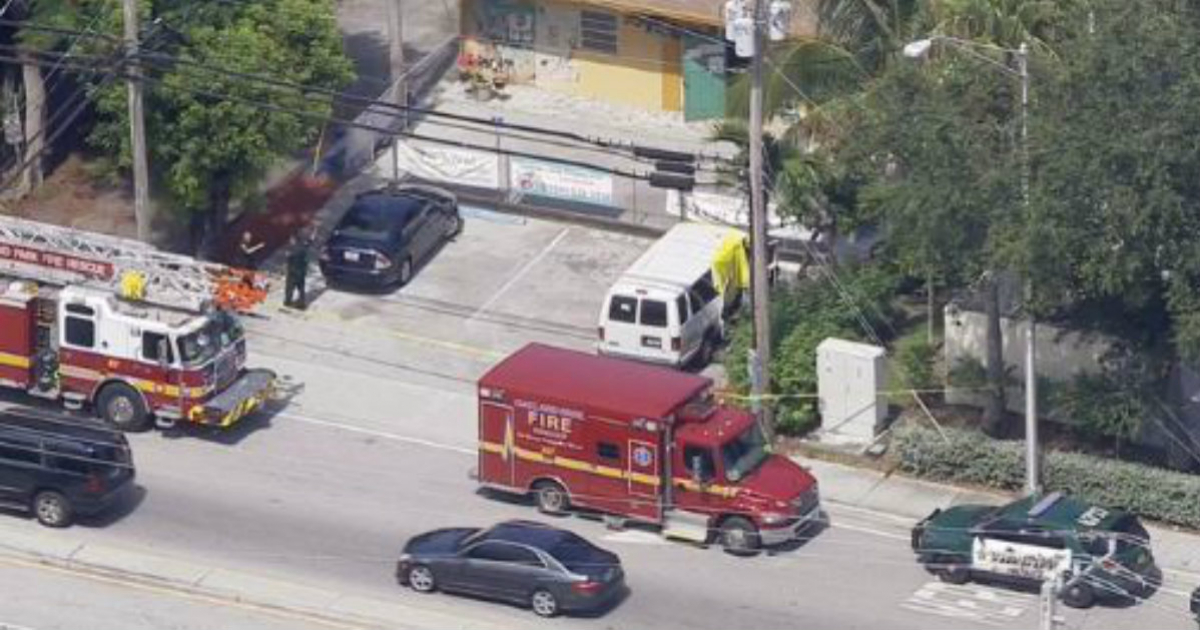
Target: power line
(340,97)
(117,61)
(118,73)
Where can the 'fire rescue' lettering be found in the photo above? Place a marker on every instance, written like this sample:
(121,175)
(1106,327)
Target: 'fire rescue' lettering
(549,422)
(42,258)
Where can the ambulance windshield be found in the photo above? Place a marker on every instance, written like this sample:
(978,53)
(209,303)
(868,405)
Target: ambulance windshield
(744,453)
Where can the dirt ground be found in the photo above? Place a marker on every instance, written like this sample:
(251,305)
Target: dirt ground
(69,196)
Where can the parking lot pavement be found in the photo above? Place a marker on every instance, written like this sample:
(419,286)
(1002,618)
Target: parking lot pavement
(503,282)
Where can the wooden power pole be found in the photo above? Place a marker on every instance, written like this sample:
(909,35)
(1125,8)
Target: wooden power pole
(137,125)
(761,381)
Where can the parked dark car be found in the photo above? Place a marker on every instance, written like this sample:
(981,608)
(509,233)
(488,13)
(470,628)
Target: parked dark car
(1195,605)
(1100,553)
(57,468)
(387,233)
(548,569)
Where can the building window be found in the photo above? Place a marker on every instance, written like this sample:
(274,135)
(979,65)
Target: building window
(598,31)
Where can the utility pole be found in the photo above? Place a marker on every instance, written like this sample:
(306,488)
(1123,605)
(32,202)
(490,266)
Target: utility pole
(758,230)
(1033,482)
(398,74)
(137,125)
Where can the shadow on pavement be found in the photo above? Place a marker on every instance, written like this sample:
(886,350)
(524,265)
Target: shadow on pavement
(121,509)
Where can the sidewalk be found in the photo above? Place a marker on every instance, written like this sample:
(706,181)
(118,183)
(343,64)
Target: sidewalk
(321,603)
(1177,552)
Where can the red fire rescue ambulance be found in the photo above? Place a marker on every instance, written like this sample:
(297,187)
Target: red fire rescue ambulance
(636,442)
(91,319)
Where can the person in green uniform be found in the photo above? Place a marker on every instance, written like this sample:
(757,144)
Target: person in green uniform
(297,269)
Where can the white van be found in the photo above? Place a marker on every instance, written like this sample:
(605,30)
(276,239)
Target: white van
(666,308)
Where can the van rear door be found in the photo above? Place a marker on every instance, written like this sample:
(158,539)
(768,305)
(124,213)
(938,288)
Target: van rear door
(639,326)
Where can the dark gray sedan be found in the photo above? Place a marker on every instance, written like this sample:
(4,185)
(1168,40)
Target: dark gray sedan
(548,569)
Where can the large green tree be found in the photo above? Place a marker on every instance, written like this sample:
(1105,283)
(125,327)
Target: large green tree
(212,136)
(1118,195)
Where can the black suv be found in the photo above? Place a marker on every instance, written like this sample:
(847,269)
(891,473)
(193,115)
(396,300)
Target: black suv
(387,232)
(57,468)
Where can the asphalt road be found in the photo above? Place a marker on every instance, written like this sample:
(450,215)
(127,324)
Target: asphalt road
(376,443)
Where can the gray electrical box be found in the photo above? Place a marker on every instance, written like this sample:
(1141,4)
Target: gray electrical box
(851,377)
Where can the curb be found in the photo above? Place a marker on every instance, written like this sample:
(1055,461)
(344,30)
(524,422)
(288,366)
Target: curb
(268,595)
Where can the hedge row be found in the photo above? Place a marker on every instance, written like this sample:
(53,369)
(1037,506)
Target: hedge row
(971,457)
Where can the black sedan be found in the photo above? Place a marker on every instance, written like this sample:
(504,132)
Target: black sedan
(548,569)
(387,232)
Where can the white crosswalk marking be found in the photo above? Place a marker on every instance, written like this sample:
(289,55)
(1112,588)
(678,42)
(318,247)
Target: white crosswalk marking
(969,602)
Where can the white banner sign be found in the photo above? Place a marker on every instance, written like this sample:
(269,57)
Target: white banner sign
(1027,561)
(561,181)
(444,164)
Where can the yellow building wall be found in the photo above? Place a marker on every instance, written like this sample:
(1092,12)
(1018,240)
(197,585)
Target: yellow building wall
(645,72)
(632,77)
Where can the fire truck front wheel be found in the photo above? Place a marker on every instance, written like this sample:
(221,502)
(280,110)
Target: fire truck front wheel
(122,406)
(739,536)
(551,497)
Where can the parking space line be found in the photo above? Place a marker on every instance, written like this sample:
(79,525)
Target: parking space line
(520,273)
(460,348)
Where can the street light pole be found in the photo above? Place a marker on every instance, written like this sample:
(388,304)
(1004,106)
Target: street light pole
(918,49)
(1033,482)
(758,231)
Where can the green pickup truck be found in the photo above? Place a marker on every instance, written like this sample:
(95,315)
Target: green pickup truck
(1097,552)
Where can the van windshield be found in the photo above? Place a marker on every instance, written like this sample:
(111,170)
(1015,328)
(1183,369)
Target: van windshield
(744,453)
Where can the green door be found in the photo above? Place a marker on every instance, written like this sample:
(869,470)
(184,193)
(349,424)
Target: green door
(703,78)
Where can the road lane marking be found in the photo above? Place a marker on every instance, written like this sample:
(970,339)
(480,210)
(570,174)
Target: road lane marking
(520,273)
(378,434)
(472,451)
(868,530)
(842,505)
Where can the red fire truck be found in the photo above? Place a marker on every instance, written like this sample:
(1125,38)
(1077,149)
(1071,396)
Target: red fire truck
(92,319)
(636,442)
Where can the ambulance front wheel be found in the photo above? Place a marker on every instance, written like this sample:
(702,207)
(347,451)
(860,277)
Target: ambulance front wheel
(739,537)
(122,406)
(551,497)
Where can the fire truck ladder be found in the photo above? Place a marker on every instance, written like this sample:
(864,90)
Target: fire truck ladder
(52,254)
